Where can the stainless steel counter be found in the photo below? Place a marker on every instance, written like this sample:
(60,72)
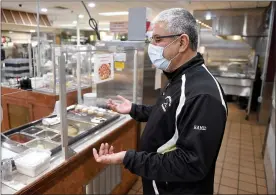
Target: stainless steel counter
(20,181)
(236,85)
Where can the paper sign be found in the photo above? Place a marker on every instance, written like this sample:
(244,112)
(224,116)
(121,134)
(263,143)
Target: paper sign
(103,68)
(120,57)
(119,27)
(119,66)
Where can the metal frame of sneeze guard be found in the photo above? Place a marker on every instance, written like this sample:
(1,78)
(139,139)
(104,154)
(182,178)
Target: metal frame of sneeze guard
(67,152)
(63,108)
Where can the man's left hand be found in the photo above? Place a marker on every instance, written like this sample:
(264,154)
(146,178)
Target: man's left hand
(107,156)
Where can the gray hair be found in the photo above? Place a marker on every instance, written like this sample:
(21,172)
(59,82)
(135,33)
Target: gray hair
(178,21)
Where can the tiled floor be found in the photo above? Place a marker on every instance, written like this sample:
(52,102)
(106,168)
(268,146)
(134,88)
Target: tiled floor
(239,168)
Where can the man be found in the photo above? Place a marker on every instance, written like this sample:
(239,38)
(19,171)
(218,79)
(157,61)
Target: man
(185,127)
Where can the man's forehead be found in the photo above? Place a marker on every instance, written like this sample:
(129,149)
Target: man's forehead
(158,28)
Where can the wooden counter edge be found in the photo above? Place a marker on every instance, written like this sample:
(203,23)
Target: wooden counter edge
(84,157)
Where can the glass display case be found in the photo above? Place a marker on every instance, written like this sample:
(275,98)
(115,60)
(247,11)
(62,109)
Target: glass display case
(49,82)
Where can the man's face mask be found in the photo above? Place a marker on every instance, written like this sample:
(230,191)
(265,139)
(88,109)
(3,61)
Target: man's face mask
(156,55)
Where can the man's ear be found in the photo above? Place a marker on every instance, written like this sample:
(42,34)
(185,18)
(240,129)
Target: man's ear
(184,43)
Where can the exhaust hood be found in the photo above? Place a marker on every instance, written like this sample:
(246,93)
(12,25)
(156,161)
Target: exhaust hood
(237,24)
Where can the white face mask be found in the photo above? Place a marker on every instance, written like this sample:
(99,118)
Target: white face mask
(157,58)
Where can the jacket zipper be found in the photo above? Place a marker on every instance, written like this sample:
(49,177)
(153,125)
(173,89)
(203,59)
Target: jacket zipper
(164,92)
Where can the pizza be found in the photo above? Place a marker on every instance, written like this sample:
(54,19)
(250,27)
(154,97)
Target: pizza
(104,71)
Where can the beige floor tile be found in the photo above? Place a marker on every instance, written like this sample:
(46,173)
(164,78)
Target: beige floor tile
(218,170)
(244,192)
(247,187)
(231,160)
(262,190)
(247,178)
(247,158)
(261,182)
(230,174)
(217,179)
(248,171)
(260,174)
(231,167)
(227,190)
(216,188)
(259,166)
(259,161)
(219,164)
(226,181)
(248,164)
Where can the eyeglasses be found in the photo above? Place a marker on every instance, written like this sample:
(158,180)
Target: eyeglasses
(158,38)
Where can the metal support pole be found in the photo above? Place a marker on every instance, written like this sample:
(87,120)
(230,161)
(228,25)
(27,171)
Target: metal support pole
(78,77)
(63,107)
(38,37)
(30,59)
(135,76)
(269,37)
(54,70)
(78,32)
(78,64)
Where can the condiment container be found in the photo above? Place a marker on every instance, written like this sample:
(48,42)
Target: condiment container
(32,162)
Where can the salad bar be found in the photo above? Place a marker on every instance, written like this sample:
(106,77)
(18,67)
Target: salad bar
(82,120)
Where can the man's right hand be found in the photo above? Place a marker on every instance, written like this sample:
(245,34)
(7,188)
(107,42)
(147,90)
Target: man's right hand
(122,108)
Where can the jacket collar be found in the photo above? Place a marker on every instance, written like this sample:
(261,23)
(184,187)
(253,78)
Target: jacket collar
(195,61)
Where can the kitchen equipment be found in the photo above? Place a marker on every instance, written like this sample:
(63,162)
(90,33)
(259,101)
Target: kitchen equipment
(32,162)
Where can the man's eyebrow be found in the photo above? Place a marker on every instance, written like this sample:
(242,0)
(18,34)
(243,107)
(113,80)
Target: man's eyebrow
(155,35)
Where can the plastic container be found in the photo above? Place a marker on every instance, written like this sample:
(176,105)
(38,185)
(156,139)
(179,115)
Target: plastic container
(32,162)
(90,99)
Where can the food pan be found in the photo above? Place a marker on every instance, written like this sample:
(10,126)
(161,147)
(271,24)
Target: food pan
(41,144)
(46,134)
(32,130)
(20,138)
(58,138)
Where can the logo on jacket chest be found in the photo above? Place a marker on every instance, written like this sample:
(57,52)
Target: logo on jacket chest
(167,103)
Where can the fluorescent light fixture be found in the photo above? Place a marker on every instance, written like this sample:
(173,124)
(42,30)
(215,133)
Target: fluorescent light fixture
(113,13)
(75,22)
(81,16)
(92,5)
(44,9)
(32,31)
(208,16)
(10,32)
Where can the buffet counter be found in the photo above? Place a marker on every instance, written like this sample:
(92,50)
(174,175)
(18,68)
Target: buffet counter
(22,106)
(78,174)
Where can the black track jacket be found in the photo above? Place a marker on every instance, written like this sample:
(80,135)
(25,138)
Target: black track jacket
(183,134)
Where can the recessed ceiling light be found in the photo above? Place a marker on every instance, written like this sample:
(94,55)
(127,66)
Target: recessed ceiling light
(75,22)
(81,16)
(91,4)
(44,9)
(113,13)
(32,31)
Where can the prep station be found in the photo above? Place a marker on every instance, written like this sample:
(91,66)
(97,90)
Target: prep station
(46,149)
